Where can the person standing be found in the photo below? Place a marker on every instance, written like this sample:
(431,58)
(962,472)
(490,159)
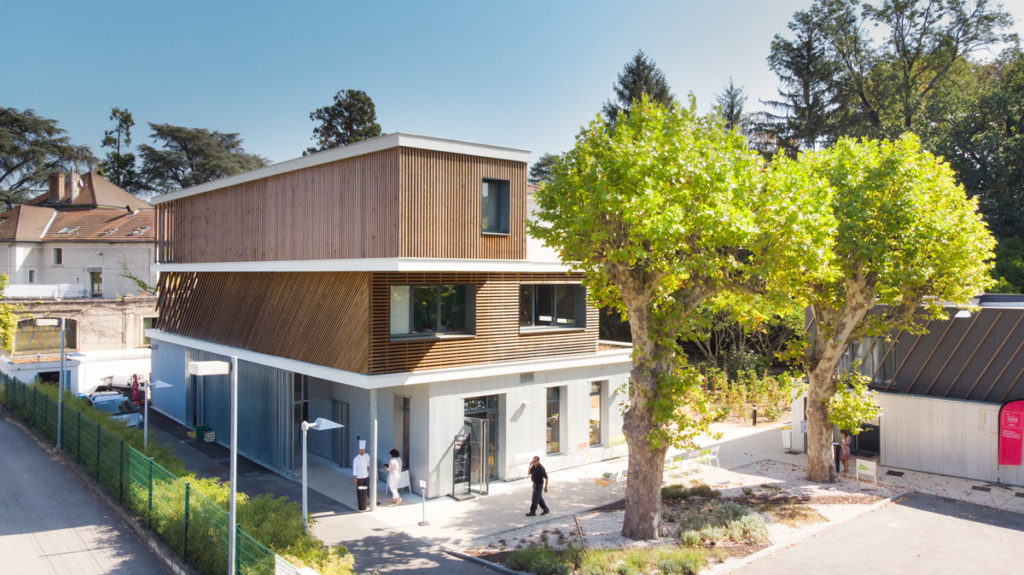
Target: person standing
(394,476)
(539,476)
(844,451)
(361,475)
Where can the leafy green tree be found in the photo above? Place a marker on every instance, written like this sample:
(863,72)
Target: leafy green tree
(119,165)
(640,77)
(853,404)
(31,148)
(664,212)
(352,117)
(192,156)
(907,239)
(540,171)
(8,318)
(729,104)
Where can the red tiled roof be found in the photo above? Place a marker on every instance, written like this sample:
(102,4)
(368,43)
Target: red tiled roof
(102,225)
(95,191)
(24,222)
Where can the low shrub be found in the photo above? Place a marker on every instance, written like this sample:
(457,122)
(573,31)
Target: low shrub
(683,492)
(720,521)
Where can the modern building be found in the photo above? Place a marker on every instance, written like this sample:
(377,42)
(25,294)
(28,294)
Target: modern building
(82,251)
(388,285)
(941,390)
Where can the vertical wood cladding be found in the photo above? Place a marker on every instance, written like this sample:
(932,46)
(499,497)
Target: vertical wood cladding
(441,205)
(497,338)
(342,320)
(401,202)
(344,209)
(320,318)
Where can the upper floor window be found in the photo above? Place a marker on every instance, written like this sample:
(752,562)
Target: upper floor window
(31,276)
(552,305)
(494,215)
(431,309)
(32,337)
(58,256)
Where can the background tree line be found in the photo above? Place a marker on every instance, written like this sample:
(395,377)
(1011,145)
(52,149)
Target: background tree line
(32,147)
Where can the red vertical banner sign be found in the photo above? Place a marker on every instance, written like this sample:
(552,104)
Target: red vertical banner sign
(1011,433)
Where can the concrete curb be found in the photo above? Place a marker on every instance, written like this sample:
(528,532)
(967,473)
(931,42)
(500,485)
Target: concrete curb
(772,550)
(162,550)
(479,561)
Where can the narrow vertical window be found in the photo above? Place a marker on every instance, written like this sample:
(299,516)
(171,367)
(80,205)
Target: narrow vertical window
(31,276)
(554,415)
(58,256)
(494,211)
(595,412)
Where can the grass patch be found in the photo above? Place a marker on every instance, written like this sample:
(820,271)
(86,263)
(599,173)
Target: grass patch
(664,560)
(792,514)
(714,521)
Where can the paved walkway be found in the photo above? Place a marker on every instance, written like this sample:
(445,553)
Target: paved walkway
(51,523)
(917,534)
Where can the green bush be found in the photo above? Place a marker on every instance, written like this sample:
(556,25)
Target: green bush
(682,492)
(719,521)
(542,561)
(736,395)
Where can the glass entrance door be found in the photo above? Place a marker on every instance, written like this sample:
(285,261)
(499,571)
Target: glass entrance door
(486,408)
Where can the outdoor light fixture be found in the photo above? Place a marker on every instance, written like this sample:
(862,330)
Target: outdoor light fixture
(200,368)
(320,424)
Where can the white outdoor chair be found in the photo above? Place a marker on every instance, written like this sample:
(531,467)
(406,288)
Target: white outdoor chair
(708,455)
(608,481)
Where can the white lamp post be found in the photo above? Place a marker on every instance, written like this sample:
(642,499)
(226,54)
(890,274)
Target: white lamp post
(50,322)
(320,424)
(145,418)
(200,368)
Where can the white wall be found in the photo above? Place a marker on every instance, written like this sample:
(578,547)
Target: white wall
(77,259)
(950,437)
(96,365)
(168,365)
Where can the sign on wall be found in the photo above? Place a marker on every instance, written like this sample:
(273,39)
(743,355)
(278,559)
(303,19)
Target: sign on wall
(1011,433)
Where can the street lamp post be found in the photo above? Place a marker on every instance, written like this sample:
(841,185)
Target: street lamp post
(60,377)
(145,418)
(320,424)
(221,368)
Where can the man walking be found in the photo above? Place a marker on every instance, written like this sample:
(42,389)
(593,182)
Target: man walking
(540,482)
(361,475)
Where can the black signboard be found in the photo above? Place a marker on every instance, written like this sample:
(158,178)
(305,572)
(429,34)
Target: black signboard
(462,459)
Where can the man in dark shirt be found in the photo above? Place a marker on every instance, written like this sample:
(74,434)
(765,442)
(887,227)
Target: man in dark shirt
(540,482)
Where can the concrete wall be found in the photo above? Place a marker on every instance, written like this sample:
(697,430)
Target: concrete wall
(950,437)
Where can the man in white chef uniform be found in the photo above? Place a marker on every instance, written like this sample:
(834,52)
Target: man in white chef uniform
(361,475)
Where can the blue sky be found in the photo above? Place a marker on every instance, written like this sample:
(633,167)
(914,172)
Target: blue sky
(520,74)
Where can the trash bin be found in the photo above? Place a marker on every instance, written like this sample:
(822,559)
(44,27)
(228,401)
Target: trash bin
(835,454)
(787,438)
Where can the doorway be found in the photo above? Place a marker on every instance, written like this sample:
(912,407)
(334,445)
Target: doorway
(401,436)
(486,408)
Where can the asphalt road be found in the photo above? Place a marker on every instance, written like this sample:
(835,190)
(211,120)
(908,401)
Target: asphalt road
(52,524)
(917,534)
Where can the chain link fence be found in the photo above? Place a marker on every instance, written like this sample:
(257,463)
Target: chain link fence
(192,524)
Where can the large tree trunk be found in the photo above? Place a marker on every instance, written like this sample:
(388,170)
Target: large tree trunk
(646,465)
(821,465)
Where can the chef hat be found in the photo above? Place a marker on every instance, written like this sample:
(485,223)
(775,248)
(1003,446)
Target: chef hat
(362,444)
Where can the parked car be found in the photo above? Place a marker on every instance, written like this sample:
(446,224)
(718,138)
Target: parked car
(118,406)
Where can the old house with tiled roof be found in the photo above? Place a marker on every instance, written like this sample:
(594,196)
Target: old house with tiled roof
(79,251)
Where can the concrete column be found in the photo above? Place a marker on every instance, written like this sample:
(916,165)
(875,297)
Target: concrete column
(373,449)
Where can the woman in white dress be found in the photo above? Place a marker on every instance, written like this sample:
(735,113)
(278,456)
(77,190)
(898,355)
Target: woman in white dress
(394,476)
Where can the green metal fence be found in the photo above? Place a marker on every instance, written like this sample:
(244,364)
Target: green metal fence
(188,521)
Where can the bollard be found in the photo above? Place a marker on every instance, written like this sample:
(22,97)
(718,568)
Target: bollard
(754,416)
(423,489)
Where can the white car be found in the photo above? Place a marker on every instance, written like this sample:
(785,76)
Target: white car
(118,406)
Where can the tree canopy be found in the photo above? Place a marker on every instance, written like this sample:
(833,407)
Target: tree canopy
(192,156)
(907,239)
(31,148)
(729,104)
(352,117)
(664,212)
(540,171)
(640,77)
(119,165)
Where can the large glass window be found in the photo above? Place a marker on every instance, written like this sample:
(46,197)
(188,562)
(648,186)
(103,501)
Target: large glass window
(424,310)
(553,305)
(595,412)
(494,213)
(32,338)
(554,413)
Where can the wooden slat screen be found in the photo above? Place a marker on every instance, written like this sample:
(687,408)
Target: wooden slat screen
(319,318)
(441,204)
(497,338)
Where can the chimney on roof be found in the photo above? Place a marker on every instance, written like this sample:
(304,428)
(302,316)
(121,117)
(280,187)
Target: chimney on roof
(56,187)
(76,186)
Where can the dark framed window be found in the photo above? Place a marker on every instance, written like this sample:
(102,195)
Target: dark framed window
(494,213)
(96,283)
(32,338)
(58,256)
(553,420)
(431,309)
(595,412)
(552,305)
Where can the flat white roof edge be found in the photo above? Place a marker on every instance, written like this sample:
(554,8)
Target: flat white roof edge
(371,265)
(363,148)
(396,379)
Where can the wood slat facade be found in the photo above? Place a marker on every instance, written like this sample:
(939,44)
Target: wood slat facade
(342,320)
(399,202)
